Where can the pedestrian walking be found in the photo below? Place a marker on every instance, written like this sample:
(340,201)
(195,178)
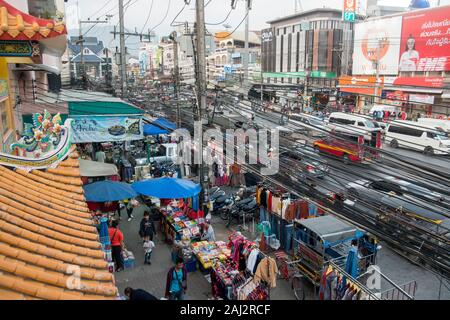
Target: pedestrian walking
(147,228)
(100,156)
(148,249)
(129,207)
(176,284)
(116,238)
(138,294)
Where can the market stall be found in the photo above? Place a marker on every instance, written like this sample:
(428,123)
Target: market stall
(248,274)
(177,226)
(207,252)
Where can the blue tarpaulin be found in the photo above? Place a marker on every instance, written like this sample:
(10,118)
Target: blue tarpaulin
(104,191)
(165,124)
(167,188)
(152,130)
(351,264)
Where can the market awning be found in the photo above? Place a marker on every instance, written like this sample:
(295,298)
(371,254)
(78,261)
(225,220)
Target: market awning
(167,188)
(165,124)
(105,191)
(152,130)
(103,106)
(90,168)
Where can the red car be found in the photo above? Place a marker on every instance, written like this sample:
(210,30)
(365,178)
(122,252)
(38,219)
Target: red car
(347,151)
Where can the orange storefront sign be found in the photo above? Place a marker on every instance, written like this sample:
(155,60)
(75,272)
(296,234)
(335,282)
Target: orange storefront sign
(367,81)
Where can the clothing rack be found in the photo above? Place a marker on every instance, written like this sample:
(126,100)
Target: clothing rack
(354,281)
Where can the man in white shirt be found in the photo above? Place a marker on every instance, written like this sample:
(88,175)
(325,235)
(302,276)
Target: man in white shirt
(208,233)
(100,156)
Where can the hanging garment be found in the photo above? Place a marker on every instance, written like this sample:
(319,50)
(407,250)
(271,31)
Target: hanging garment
(312,209)
(284,206)
(269,200)
(251,261)
(303,210)
(291,210)
(276,205)
(263,198)
(267,271)
(289,237)
(262,214)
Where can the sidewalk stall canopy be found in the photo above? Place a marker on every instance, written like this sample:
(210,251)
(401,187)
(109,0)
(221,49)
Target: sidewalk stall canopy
(181,218)
(105,191)
(90,169)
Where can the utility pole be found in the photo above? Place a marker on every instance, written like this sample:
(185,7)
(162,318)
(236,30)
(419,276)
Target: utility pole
(123,65)
(176,76)
(377,71)
(248,7)
(201,86)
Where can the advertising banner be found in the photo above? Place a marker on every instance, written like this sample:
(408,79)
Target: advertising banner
(106,128)
(377,41)
(421,98)
(425,41)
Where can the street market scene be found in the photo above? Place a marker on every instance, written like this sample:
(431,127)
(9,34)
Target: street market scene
(234,150)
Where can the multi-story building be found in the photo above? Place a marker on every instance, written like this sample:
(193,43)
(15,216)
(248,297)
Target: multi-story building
(310,50)
(226,62)
(403,60)
(96,59)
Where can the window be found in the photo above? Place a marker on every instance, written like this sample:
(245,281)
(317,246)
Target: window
(405,130)
(4,126)
(342,121)
(361,124)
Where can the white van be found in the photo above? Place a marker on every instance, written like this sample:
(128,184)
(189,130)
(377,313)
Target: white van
(350,123)
(415,136)
(439,124)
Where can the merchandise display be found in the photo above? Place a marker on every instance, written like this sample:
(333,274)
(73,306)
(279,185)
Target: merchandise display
(177,226)
(206,252)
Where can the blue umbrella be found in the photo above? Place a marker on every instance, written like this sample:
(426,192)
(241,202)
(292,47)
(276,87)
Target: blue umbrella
(167,188)
(351,265)
(104,191)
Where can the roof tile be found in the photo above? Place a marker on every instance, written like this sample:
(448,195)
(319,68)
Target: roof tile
(45,229)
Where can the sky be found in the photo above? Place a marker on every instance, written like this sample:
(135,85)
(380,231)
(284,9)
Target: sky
(215,12)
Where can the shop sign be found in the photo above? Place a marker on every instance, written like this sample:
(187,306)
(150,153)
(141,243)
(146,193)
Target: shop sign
(433,82)
(267,35)
(322,74)
(421,98)
(19,49)
(3,88)
(106,128)
(397,97)
(360,81)
(349,12)
(425,41)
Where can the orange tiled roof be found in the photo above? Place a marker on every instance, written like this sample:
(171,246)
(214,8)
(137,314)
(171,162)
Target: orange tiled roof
(45,232)
(17,25)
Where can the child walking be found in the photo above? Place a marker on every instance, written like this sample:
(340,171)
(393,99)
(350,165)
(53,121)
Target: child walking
(148,248)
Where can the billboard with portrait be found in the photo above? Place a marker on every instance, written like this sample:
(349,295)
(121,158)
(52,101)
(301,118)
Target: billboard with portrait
(425,40)
(377,41)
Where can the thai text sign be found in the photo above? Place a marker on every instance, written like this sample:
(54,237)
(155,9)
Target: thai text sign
(106,128)
(425,40)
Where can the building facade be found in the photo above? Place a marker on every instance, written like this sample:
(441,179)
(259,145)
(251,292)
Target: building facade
(310,49)
(96,60)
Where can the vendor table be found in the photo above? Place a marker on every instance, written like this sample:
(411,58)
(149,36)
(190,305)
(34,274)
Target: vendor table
(176,226)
